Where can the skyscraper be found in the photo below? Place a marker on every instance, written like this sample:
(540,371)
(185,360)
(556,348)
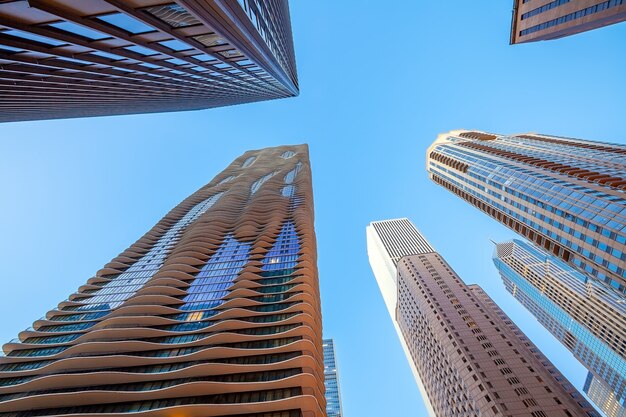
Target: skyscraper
(215,311)
(387,242)
(589,320)
(565,195)
(470,357)
(536,21)
(331,378)
(68,58)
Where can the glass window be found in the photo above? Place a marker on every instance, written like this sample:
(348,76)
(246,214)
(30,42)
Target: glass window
(147,64)
(141,50)
(210,40)
(174,15)
(10,48)
(126,22)
(176,45)
(107,55)
(258,183)
(79,30)
(33,37)
(176,61)
(204,57)
(248,161)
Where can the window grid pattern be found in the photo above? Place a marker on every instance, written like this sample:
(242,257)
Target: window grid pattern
(596,8)
(579,219)
(331,380)
(168,57)
(580,313)
(468,352)
(202,299)
(400,238)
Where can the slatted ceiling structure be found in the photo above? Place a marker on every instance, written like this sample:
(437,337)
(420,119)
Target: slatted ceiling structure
(214,312)
(62,58)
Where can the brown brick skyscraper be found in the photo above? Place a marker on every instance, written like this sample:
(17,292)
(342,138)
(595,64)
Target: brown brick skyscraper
(537,20)
(213,312)
(76,58)
(471,359)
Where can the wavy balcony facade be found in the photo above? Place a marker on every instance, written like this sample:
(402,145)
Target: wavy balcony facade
(67,58)
(213,312)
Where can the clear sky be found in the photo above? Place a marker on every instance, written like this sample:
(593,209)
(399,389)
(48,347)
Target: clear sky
(379,81)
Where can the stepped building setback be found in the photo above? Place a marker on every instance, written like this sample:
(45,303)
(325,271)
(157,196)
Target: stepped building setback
(214,312)
(469,357)
(78,58)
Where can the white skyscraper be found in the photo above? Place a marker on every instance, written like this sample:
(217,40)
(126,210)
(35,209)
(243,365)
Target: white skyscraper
(387,242)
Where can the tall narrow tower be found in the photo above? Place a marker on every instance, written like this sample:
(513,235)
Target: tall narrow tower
(565,195)
(331,375)
(215,311)
(470,358)
(589,320)
(387,242)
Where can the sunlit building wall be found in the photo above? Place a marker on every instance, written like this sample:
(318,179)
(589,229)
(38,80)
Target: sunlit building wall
(581,313)
(544,20)
(387,242)
(565,195)
(470,359)
(214,312)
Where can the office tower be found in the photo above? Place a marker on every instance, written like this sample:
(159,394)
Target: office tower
(214,312)
(588,319)
(565,195)
(602,395)
(331,378)
(68,58)
(387,242)
(472,360)
(537,21)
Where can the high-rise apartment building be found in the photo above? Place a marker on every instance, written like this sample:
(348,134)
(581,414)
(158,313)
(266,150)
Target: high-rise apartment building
(471,359)
(581,313)
(68,58)
(565,195)
(214,312)
(331,378)
(536,20)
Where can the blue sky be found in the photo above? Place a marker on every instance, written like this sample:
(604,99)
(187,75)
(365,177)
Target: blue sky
(378,83)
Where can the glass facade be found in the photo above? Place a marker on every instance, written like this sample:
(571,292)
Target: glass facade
(589,320)
(214,311)
(601,394)
(331,378)
(565,195)
(170,56)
